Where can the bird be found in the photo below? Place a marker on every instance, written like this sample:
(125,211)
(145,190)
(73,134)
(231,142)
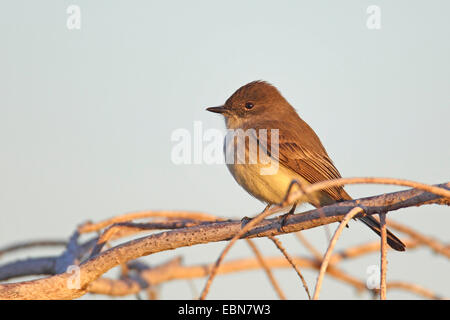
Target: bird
(258,107)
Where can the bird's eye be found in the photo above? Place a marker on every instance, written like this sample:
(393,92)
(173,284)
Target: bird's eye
(249,105)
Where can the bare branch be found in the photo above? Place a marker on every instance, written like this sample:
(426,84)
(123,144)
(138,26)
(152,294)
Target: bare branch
(327,256)
(383,254)
(238,235)
(291,261)
(32,244)
(437,190)
(55,287)
(414,288)
(434,244)
(266,268)
(91,227)
(173,270)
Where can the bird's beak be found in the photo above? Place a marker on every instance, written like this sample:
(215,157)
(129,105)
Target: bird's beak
(219,109)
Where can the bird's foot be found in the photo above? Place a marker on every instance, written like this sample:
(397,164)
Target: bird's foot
(245,220)
(285,216)
(283,221)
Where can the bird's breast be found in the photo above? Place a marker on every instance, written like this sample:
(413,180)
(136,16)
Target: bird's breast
(258,173)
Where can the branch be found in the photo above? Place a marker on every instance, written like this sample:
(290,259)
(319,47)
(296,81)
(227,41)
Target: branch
(327,256)
(32,244)
(173,270)
(56,287)
(266,268)
(383,256)
(291,261)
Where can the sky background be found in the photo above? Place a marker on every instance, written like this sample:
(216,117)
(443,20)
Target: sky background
(86,118)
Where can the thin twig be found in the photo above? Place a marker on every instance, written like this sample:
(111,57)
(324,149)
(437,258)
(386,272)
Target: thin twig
(366,248)
(240,233)
(128,228)
(91,227)
(383,253)
(434,244)
(266,268)
(291,261)
(326,258)
(331,268)
(414,288)
(32,244)
(193,288)
(296,195)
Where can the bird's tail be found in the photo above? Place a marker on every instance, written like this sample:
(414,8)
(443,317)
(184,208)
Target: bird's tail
(394,242)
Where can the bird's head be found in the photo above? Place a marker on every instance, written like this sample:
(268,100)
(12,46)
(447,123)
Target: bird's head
(257,100)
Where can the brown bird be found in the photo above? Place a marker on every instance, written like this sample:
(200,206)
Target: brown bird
(257,108)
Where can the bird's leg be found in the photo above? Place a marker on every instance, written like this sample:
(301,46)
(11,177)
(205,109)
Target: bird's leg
(291,186)
(246,219)
(284,217)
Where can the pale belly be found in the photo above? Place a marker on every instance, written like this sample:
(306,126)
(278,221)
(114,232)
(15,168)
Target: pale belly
(267,188)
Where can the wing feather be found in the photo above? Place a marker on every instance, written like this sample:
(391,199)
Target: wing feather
(303,153)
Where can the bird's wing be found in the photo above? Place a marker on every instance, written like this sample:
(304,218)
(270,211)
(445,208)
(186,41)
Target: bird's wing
(303,153)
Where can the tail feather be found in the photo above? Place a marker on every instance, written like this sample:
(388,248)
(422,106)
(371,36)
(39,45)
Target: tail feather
(394,242)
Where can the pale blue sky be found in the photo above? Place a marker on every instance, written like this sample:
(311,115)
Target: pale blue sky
(86,115)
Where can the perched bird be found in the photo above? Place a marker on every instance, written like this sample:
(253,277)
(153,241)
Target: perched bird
(259,110)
